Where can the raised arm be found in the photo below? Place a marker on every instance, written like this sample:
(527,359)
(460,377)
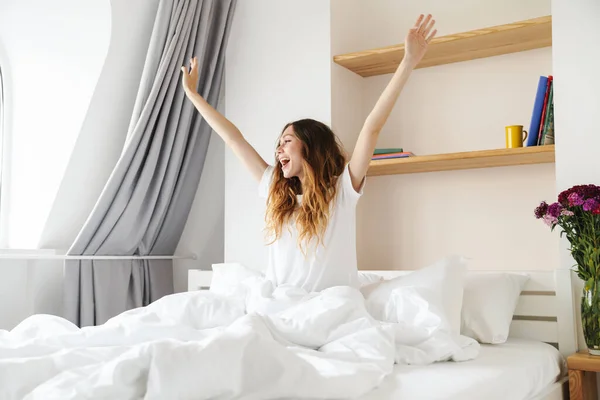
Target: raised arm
(224,128)
(415,47)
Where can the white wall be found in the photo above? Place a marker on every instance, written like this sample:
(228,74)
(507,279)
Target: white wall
(576,61)
(203,234)
(347,88)
(385,22)
(408,221)
(277,70)
(28,287)
(204,230)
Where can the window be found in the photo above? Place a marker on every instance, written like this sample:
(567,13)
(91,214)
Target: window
(41,131)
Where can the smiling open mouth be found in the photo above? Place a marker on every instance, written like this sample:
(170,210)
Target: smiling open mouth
(284,162)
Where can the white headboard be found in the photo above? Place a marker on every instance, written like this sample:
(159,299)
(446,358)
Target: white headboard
(545,310)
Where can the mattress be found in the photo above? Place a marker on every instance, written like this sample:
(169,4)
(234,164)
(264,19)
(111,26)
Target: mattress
(516,370)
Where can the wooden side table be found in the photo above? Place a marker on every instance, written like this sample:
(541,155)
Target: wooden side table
(582,375)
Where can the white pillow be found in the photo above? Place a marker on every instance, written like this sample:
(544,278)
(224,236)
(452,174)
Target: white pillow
(367,278)
(227,277)
(489,302)
(440,284)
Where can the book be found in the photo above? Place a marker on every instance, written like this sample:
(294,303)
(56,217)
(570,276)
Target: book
(544,110)
(387,151)
(549,135)
(392,155)
(536,114)
(548,117)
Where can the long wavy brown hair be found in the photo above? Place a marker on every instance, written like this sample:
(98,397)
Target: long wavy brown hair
(323,163)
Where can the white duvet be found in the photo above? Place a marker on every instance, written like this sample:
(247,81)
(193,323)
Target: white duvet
(258,344)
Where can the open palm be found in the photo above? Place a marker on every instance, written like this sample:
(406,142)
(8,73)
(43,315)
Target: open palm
(418,38)
(189,79)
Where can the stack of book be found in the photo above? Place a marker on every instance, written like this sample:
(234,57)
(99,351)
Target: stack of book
(541,128)
(384,154)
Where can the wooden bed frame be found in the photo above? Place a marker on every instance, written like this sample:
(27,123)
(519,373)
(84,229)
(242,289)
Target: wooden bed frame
(545,312)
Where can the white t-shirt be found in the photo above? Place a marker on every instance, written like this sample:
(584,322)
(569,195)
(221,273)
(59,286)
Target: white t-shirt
(331,263)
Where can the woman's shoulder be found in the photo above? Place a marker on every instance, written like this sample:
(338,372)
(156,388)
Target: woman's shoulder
(265,181)
(345,184)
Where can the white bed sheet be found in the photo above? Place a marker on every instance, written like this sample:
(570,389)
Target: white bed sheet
(516,370)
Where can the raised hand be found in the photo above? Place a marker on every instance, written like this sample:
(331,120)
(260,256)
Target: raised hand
(189,79)
(418,38)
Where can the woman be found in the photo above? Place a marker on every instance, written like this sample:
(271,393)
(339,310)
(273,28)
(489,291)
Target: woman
(311,191)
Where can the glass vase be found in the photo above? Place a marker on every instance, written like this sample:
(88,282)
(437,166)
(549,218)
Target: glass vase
(590,316)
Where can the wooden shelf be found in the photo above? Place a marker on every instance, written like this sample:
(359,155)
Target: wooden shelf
(463,160)
(486,42)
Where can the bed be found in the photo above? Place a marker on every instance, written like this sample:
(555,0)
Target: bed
(439,332)
(529,365)
(518,369)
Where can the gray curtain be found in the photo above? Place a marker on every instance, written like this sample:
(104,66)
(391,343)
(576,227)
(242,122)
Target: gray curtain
(145,203)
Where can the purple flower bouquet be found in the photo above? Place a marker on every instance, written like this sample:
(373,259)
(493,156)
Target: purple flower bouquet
(577,212)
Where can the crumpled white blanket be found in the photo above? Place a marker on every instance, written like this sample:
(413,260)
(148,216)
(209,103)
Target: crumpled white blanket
(262,343)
